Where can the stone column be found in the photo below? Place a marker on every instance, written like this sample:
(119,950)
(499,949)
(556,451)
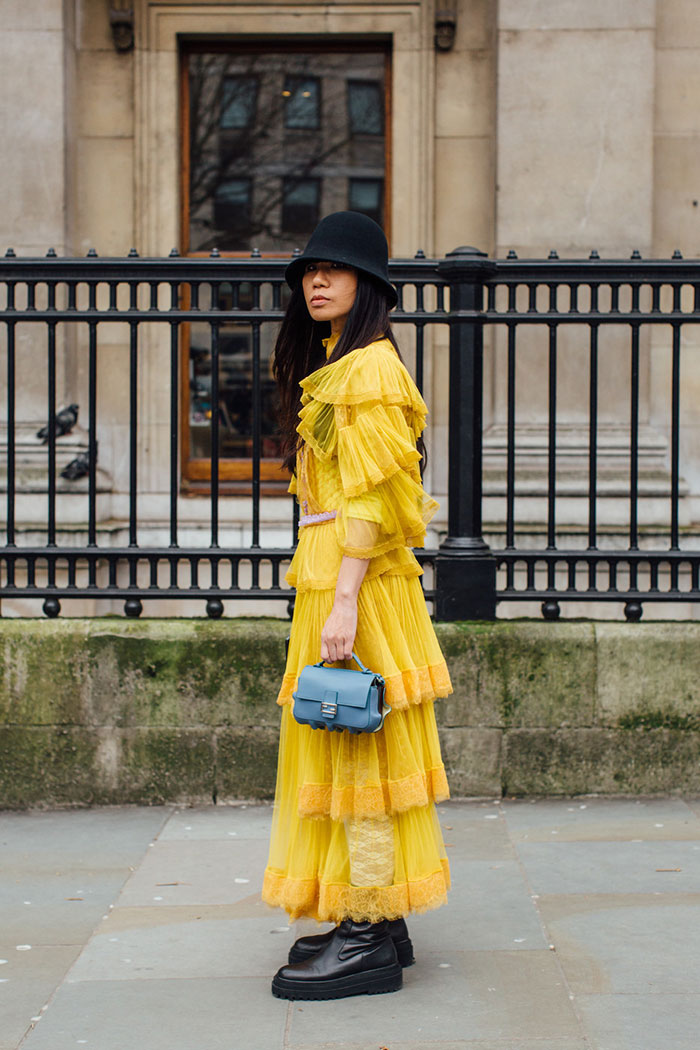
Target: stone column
(464,184)
(677,215)
(37,57)
(574,159)
(40,122)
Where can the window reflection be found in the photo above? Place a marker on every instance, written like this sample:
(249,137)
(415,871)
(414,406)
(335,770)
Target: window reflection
(365,195)
(234,409)
(238,102)
(232,201)
(300,204)
(302,102)
(277,139)
(365,107)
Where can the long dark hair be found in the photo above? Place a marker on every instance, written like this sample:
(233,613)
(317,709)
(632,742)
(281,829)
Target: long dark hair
(299,351)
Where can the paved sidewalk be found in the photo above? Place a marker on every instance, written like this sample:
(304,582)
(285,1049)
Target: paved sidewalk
(572,925)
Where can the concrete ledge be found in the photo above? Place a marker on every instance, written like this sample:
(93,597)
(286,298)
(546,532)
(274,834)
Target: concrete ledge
(149,711)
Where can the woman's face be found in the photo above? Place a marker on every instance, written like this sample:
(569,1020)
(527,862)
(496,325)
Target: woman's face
(329,291)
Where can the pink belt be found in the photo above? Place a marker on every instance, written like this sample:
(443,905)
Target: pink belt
(316,519)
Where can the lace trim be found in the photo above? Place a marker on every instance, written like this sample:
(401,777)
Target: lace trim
(378,569)
(337,901)
(373,800)
(412,539)
(414,686)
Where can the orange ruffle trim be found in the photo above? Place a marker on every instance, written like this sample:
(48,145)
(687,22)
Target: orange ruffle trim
(413,686)
(335,902)
(372,800)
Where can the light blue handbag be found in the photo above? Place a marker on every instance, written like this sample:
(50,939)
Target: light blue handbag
(338,698)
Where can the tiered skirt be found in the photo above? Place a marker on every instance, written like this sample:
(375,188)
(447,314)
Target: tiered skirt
(355,832)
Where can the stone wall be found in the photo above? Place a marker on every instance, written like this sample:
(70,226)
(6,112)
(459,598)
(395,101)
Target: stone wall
(115,711)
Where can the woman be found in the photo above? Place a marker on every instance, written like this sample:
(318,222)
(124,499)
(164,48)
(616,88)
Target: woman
(355,836)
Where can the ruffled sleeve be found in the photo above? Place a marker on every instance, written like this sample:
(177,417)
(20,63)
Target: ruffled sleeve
(378,414)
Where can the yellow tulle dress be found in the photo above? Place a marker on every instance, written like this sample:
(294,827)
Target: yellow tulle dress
(355,833)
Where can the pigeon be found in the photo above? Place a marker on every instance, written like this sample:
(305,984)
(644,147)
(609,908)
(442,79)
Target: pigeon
(77,468)
(65,421)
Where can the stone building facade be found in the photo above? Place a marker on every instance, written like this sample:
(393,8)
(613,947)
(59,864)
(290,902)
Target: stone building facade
(546,124)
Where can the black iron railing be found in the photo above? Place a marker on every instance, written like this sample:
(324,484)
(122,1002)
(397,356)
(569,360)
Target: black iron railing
(604,319)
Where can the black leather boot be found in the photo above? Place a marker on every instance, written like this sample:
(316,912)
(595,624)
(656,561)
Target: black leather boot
(305,947)
(358,959)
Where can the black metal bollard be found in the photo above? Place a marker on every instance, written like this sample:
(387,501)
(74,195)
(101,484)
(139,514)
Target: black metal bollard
(465,568)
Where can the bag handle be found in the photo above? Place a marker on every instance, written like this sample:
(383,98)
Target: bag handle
(354,657)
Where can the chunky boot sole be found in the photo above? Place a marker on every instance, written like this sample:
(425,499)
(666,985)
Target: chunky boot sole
(372,982)
(404,952)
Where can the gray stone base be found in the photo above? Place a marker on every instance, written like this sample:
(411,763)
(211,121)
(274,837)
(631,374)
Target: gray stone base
(151,711)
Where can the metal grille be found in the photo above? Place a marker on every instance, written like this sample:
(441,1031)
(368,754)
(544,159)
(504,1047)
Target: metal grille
(635,302)
(501,315)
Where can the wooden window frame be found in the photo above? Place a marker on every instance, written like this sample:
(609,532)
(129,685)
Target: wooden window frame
(235,475)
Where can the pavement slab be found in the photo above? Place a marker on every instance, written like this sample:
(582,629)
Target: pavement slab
(222,822)
(448,995)
(630,947)
(568,927)
(206,947)
(481,833)
(27,979)
(191,1014)
(462,1044)
(471,1044)
(641,1022)
(618,867)
(197,871)
(495,911)
(598,819)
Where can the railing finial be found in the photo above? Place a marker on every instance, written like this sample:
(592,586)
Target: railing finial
(466,251)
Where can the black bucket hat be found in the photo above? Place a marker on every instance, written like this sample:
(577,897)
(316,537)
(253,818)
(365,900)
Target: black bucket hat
(352,238)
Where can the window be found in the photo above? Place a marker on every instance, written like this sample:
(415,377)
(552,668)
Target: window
(259,121)
(365,107)
(232,204)
(302,102)
(274,136)
(300,204)
(365,195)
(239,99)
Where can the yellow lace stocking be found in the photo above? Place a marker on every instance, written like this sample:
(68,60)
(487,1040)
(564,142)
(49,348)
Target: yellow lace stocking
(371,849)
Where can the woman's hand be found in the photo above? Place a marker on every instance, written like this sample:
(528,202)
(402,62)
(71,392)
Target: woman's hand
(339,630)
(338,634)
